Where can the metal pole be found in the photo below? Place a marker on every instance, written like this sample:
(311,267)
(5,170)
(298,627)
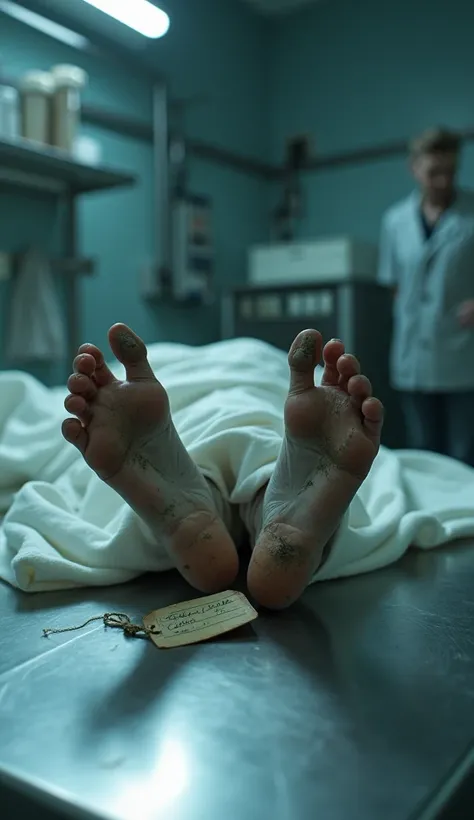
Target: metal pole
(161,180)
(72,284)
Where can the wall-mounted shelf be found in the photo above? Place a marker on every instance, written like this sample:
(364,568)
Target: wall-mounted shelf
(53,171)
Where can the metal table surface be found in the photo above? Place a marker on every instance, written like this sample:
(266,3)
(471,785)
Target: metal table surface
(356,703)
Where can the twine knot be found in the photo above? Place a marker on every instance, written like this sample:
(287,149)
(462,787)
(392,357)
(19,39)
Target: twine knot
(115,620)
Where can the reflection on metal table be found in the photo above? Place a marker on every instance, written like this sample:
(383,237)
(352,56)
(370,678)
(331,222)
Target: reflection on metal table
(356,703)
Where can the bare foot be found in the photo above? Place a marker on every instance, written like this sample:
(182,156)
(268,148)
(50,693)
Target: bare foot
(332,437)
(125,432)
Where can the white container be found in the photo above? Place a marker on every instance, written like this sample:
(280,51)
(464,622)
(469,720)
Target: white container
(69,81)
(37,88)
(9,113)
(332,260)
(87,150)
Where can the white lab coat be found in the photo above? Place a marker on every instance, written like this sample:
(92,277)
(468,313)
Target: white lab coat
(431,352)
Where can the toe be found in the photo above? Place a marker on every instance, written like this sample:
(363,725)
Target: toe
(102,373)
(304,355)
(359,389)
(84,363)
(131,351)
(91,350)
(333,350)
(347,367)
(77,406)
(81,385)
(75,433)
(373,413)
(372,409)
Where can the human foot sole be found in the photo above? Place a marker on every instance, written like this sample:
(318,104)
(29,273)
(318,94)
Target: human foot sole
(125,433)
(332,437)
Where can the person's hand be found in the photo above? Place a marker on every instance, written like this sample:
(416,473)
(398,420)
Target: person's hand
(466,313)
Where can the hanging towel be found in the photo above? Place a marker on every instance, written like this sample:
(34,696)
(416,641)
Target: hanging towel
(36,329)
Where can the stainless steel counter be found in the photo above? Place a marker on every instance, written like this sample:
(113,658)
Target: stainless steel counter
(356,704)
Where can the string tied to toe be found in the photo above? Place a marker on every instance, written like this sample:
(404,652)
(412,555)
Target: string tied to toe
(115,620)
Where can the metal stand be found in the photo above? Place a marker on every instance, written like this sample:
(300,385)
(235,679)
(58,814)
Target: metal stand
(73,289)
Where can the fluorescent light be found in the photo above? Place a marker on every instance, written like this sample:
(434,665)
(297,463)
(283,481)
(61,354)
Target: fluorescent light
(37,21)
(140,15)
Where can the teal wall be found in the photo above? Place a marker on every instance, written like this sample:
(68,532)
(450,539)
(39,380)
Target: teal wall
(351,76)
(215,53)
(359,74)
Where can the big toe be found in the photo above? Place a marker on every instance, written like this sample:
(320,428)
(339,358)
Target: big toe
(131,351)
(304,355)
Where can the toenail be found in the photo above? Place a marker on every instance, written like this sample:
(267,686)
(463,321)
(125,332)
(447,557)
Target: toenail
(127,341)
(305,348)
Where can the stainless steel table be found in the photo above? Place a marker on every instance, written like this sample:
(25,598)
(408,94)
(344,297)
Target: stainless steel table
(356,704)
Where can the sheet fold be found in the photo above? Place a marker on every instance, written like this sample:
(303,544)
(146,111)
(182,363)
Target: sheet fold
(64,528)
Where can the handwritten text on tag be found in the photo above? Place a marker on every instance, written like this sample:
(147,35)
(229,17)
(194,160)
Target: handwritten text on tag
(199,619)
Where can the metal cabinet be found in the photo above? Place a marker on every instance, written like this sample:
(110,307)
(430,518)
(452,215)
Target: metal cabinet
(359,313)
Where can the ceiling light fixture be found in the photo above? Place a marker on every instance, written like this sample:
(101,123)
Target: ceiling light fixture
(144,17)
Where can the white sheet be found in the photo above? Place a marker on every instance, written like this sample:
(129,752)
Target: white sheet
(64,528)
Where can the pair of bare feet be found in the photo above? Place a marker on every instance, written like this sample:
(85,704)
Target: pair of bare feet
(126,435)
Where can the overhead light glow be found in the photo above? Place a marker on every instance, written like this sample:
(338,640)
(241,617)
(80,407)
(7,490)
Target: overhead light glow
(40,23)
(140,15)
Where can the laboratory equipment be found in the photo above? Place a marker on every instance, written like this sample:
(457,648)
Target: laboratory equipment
(335,259)
(69,80)
(37,88)
(289,210)
(358,312)
(87,150)
(192,250)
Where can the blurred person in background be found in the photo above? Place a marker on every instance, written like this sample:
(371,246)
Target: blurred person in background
(427,257)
